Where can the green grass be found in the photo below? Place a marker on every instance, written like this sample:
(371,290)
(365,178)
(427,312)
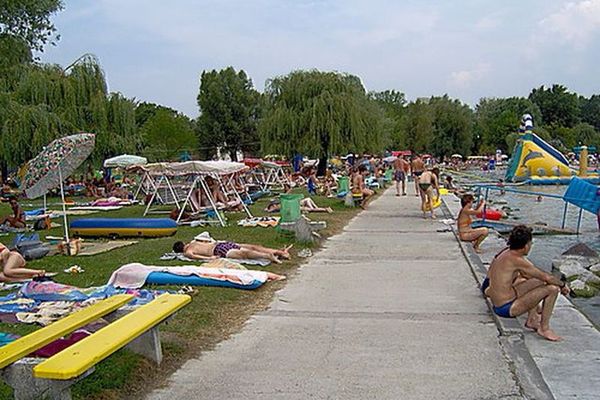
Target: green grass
(213,314)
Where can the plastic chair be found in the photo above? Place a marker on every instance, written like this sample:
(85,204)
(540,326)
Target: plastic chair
(290,207)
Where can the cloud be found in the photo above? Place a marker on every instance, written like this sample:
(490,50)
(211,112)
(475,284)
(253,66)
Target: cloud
(467,77)
(575,23)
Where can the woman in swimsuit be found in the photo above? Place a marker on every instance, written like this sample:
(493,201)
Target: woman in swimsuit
(427,182)
(13,267)
(465,232)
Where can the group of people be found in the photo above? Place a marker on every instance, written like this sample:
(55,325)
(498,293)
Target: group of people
(427,184)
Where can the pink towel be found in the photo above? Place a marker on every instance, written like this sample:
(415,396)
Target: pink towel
(132,276)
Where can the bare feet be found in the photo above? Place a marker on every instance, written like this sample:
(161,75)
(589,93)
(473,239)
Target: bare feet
(329,210)
(477,250)
(433,216)
(274,258)
(274,277)
(549,335)
(533,325)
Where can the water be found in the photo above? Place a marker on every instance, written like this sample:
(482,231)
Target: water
(545,248)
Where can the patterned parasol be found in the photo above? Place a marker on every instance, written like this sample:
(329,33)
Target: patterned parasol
(55,163)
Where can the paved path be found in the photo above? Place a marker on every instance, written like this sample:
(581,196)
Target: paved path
(388,310)
(570,368)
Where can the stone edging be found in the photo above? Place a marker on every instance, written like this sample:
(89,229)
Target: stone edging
(526,371)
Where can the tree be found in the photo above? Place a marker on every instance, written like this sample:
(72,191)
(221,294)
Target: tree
(586,134)
(29,20)
(558,106)
(167,134)
(590,110)
(393,105)
(228,111)
(419,125)
(319,114)
(46,103)
(495,119)
(452,127)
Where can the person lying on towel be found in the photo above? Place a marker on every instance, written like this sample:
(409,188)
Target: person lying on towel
(209,249)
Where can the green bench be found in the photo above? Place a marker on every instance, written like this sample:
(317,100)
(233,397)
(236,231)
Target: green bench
(34,378)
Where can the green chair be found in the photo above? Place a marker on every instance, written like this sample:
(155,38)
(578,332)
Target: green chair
(343,185)
(388,175)
(290,207)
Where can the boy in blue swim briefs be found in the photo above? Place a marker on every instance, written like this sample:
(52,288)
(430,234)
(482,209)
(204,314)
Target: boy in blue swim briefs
(512,297)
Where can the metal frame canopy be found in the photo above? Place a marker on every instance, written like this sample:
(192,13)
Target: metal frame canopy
(194,168)
(156,173)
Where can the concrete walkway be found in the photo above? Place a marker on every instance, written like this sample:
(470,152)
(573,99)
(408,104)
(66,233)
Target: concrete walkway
(570,368)
(388,310)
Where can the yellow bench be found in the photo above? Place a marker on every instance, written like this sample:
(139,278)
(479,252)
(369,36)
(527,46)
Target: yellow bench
(38,339)
(78,358)
(33,378)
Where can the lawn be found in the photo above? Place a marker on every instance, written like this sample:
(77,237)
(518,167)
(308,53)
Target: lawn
(213,315)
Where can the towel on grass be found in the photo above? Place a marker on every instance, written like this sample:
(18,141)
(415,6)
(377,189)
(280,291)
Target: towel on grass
(263,222)
(134,275)
(179,256)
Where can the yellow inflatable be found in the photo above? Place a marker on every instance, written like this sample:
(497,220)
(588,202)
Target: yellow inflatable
(436,203)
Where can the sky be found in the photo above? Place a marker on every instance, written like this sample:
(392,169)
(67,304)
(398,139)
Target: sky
(156,50)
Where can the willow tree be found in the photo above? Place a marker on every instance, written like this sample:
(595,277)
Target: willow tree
(319,114)
(47,102)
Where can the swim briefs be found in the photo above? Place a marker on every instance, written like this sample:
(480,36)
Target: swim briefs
(424,186)
(222,248)
(485,284)
(504,310)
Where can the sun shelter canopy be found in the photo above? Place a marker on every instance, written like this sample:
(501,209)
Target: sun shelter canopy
(124,161)
(194,168)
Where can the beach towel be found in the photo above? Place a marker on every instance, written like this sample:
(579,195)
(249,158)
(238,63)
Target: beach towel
(263,222)
(96,208)
(93,248)
(179,256)
(134,275)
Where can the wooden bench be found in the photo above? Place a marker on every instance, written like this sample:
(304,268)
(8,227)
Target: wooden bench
(33,378)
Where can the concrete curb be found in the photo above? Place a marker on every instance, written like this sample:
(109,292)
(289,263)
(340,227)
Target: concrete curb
(527,373)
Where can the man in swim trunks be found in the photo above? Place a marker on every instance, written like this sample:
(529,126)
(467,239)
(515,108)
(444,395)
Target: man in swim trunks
(358,185)
(417,167)
(17,220)
(210,250)
(465,232)
(427,182)
(401,169)
(13,267)
(511,299)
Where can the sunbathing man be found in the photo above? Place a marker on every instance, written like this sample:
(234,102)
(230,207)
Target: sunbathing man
(17,220)
(306,205)
(427,182)
(13,267)
(512,299)
(465,232)
(211,249)
(358,185)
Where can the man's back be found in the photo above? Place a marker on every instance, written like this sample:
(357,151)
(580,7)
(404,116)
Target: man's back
(198,248)
(502,273)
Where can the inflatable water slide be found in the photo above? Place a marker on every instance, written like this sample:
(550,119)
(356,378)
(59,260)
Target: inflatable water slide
(536,162)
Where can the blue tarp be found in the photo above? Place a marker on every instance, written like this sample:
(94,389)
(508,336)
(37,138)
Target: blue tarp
(583,194)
